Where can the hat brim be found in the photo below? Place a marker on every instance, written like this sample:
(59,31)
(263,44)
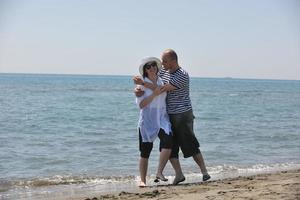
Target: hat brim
(149,59)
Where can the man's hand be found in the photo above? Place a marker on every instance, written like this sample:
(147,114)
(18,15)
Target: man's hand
(168,87)
(157,91)
(138,80)
(138,91)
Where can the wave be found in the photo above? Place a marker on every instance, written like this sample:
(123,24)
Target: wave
(217,172)
(65,187)
(61,180)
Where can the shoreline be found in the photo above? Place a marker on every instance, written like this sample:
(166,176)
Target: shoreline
(277,185)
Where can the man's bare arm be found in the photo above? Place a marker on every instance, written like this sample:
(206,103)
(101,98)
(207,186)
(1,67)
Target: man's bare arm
(150,98)
(139,81)
(168,87)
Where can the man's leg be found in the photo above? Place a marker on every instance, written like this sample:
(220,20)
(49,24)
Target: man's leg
(188,142)
(198,158)
(179,177)
(174,159)
(200,162)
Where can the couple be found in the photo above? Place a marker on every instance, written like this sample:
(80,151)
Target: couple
(166,112)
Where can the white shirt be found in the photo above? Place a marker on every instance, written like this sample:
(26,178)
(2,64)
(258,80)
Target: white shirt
(153,117)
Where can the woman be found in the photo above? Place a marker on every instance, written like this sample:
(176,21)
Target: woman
(153,121)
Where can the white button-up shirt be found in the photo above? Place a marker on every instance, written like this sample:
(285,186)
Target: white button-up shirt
(153,117)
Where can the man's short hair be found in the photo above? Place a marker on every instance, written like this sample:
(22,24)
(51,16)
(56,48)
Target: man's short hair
(171,54)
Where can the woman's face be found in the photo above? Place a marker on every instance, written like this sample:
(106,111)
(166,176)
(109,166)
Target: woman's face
(151,68)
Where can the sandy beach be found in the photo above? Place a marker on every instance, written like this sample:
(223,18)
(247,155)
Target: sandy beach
(280,185)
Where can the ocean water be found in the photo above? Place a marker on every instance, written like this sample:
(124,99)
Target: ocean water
(74,135)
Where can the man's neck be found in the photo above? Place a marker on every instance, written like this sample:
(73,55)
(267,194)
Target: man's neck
(173,69)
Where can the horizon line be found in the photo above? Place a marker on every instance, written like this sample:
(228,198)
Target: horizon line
(69,74)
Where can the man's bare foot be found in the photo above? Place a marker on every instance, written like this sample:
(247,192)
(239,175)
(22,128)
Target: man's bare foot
(160,177)
(206,177)
(178,180)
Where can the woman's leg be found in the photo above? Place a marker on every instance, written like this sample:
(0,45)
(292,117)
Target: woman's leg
(163,159)
(145,149)
(143,171)
(166,142)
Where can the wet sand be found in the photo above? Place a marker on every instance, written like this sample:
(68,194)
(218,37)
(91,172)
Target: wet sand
(280,185)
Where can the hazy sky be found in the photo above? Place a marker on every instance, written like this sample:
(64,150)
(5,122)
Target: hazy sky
(224,38)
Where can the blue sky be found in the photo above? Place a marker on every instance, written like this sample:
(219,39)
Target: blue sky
(240,39)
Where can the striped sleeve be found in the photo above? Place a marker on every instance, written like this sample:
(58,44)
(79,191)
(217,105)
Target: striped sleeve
(180,80)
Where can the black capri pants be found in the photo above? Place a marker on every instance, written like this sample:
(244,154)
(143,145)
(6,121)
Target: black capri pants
(166,142)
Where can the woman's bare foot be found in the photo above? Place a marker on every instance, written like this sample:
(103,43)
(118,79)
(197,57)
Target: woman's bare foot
(142,184)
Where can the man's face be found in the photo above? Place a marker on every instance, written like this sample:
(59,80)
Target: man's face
(166,61)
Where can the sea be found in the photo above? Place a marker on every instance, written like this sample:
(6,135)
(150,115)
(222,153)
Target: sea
(66,136)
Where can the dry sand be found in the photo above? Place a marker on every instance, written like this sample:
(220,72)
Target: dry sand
(280,185)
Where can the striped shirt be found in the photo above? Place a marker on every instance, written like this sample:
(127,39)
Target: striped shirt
(178,100)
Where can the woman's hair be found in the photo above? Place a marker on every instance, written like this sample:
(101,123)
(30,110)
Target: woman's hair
(145,74)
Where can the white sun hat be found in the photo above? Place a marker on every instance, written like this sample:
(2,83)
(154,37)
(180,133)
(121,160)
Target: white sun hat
(147,60)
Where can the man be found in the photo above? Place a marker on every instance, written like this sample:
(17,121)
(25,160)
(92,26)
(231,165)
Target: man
(180,111)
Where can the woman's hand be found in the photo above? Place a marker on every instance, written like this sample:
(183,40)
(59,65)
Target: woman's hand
(138,80)
(138,91)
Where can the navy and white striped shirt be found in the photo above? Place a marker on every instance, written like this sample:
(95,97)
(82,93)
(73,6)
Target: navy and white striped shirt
(178,100)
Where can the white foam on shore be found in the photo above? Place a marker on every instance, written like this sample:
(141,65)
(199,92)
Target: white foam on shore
(59,187)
